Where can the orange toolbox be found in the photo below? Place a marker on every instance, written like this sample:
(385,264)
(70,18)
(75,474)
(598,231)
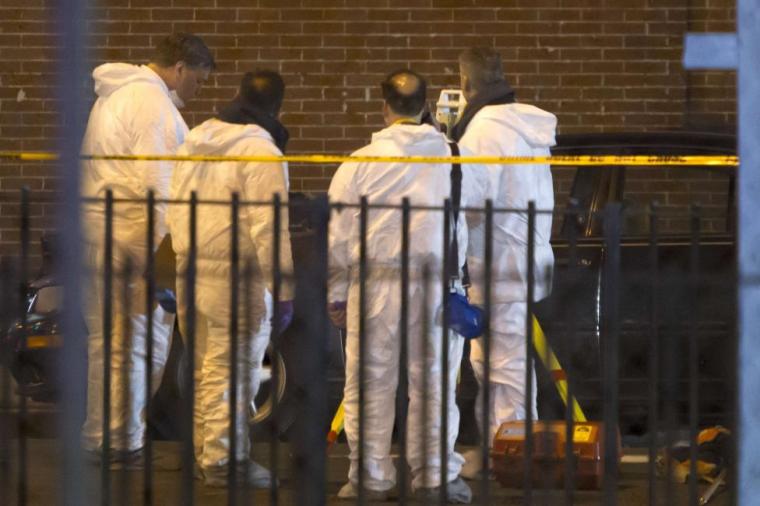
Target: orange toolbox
(548,468)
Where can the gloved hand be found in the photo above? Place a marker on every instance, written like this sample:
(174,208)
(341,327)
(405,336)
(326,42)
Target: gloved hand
(284,316)
(336,310)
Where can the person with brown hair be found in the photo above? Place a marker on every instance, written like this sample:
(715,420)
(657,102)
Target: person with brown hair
(494,124)
(136,113)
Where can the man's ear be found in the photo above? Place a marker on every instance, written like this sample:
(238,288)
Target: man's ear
(386,113)
(180,67)
(466,85)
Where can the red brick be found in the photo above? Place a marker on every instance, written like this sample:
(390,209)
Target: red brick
(248,40)
(383,14)
(153,27)
(172,14)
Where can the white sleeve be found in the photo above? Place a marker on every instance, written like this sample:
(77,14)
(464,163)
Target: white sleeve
(156,133)
(262,181)
(340,233)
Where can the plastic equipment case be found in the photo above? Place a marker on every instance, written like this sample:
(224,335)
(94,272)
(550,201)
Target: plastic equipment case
(548,467)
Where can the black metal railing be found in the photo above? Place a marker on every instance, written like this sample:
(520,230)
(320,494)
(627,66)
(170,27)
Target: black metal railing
(670,274)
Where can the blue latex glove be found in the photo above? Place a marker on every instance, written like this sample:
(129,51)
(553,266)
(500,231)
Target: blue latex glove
(284,314)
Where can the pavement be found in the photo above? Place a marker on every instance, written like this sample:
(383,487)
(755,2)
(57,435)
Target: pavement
(44,474)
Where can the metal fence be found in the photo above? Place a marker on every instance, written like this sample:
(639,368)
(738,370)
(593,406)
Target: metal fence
(658,307)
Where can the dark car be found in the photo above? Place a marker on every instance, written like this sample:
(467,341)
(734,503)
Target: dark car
(691,293)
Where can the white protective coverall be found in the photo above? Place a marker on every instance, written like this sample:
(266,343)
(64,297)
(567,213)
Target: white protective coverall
(218,181)
(388,183)
(511,130)
(134,114)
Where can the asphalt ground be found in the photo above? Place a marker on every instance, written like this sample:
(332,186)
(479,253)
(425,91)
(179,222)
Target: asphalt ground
(44,480)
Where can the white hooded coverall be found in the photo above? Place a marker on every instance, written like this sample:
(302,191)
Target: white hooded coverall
(511,130)
(218,181)
(389,183)
(134,114)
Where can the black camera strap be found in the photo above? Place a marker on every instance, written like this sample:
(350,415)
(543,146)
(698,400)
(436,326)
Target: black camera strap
(456,201)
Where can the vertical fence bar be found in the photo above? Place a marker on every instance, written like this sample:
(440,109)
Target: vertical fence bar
(150,295)
(670,396)
(127,345)
(70,18)
(363,217)
(188,493)
(734,287)
(248,397)
(485,429)
(529,354)
(105,459)
(425,353)
(546,442)
(654,351)
(311,442)
(403,375)
(21,485)
(449,264)
(233,385)
(275,340)
(571,314)
(6,316)
(695,224)
(611,326)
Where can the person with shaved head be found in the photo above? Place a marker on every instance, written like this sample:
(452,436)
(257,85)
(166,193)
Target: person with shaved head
(388,183)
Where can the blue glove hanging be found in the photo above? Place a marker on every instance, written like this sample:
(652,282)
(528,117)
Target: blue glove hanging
(464,318)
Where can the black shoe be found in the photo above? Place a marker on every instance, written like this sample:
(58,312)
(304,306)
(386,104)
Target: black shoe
(134,460)
(256,476)
(457,492)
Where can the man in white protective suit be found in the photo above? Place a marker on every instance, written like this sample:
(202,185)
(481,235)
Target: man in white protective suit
(247,126)
(388,183)
(136,112)
(493,124)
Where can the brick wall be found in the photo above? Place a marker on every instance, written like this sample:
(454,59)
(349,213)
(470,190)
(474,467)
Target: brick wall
(598,64)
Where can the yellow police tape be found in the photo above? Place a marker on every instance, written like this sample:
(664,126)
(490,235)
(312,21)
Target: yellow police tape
(550,361)
(596,160)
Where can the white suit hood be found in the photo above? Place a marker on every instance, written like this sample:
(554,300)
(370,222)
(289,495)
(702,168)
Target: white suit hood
(421,136)
(111,77)
(220,137)
(514,130)
(536,126)
(252,181)
(134,114)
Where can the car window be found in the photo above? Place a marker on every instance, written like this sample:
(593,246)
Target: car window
(48,299)
(674,189)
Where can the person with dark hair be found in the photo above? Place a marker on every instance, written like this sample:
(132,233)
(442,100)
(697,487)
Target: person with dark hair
(424,184)
(246,126)
(405,92)
(135,114)
(494,124)
(183,62)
